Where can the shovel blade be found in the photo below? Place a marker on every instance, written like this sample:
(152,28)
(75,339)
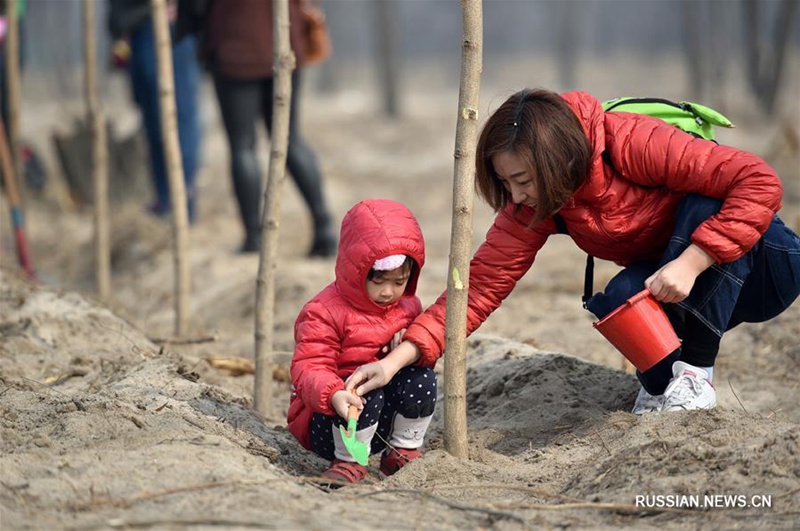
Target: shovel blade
(355,448)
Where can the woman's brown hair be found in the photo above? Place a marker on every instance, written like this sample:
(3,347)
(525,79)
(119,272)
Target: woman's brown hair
(541,128)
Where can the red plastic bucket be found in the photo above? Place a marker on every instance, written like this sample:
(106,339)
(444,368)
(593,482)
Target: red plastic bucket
(640,330)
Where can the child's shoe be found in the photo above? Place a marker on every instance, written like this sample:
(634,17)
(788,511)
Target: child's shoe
(396,458)
(647,403)
(689,389)
(344,472)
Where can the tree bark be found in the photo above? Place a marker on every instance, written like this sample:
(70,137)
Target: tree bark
(387,57)
(177,187)
(13,92)
(455,367)
(765,59)
(270,222)
(95,120)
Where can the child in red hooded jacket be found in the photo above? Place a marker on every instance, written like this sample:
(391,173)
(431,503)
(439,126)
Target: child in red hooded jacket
(353,322)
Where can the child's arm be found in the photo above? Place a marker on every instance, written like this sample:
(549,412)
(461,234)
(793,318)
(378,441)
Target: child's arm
(315,360)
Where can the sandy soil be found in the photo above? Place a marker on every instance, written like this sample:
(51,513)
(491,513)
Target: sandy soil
(106,426)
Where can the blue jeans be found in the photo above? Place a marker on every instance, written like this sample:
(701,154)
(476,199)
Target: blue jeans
(144,82)
(755,288)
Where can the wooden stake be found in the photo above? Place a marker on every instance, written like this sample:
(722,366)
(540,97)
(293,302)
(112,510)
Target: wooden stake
(96,122)
(284,64)
(455,367)
(172,152)
(13,90)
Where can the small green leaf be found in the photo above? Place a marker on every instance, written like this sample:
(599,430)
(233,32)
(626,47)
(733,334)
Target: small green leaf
(457,280)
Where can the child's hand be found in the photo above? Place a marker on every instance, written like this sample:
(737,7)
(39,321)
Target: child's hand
(396,340)
(341,400)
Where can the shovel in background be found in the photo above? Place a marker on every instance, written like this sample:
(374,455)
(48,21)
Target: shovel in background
(355,448)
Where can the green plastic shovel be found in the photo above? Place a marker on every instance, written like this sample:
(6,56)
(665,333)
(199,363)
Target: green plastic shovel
(355,448)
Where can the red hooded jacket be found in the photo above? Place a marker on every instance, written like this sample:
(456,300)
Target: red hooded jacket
(624,212)
(341,328)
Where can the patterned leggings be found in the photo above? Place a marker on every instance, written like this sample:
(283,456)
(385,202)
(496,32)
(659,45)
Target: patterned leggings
(411,393)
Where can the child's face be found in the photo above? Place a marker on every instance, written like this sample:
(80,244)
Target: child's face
(387,287)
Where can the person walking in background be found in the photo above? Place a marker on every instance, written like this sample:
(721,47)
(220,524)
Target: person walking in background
(692,221)
(355,321)
(130,21)
(237,45)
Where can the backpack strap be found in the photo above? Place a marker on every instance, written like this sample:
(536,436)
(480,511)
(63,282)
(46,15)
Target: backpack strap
(588,280)
(588,274)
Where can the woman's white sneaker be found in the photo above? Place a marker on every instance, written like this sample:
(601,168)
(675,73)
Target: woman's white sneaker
(647,403)
(689,389)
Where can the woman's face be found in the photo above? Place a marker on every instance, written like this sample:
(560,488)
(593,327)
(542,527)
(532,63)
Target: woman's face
(514,174)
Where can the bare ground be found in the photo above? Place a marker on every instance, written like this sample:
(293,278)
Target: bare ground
(104,427)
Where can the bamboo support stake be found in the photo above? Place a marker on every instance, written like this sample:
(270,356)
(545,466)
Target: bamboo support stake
(455,367)
(96,122)
(13,90)
(284,63)
(177,187)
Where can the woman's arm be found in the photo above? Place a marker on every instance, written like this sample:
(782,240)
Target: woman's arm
(377,374)
(649,152)
(506,255)
(675,279)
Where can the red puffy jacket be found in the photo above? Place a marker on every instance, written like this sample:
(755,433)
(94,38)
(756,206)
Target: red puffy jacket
(341,328)
(624,212)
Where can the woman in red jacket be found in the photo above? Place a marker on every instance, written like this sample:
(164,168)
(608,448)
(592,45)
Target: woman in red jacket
(353,322)
(691,220)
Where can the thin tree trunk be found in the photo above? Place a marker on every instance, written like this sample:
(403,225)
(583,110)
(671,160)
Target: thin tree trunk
(94,118)
(752,43)
(694,47)
(387,57)
(13,91)
(455,367)
(270,223)
(567,18)
(786,18)
(177,187)
(765,58)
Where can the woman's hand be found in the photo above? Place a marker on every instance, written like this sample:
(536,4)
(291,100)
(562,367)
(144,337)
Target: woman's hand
(674,280)
(368,377)
(377,374)
(341,401)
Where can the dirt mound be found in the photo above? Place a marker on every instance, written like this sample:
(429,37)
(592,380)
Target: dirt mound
(103,428)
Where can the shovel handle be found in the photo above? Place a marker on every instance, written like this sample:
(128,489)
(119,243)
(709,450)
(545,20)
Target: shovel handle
(352,411)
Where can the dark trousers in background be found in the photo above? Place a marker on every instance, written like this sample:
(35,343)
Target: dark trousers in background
(242,103)
(144,81)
